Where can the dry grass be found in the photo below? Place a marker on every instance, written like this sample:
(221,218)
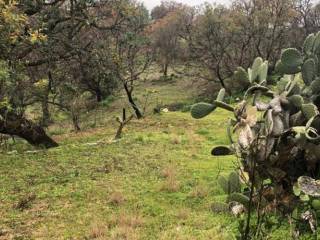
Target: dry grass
(175,139)
(183,214)
(171,184)
(124,233)
(169,171)
(200,191)
(127,220)
(116,198)
(98,230)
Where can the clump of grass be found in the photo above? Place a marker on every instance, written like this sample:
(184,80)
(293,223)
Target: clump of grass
(175,139)
(169,171)
(25,202)
(203,132)
(124,233)
(171,184)
(199,191)
(140,138)
(127,220)
(116,198)
(134,220)
(98,230)
(183,214)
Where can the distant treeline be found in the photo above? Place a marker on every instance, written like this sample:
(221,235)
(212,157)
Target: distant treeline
(73,54)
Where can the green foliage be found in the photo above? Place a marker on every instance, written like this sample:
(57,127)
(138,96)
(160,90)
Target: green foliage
(108,101)
(4,72)
(316,204)
(288,119)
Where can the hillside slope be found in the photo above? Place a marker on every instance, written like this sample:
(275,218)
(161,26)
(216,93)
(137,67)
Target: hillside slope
(157,182)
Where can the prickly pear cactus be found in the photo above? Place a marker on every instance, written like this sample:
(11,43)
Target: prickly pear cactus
(281,144)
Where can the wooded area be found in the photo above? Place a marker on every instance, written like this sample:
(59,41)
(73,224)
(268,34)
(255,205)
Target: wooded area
(73,54)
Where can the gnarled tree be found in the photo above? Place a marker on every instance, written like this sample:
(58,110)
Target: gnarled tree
(14,85)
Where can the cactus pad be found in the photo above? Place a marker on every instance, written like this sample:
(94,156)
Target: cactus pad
(263,71)
(296,100)
(256,69)
(316,44)
(282,84)
(284,69)
(221,94)
(201,110)
(291,57)
(307,91)
(315,86)
(224,184)
(309,110)
(308,71)
(240,198)
(234,182)
(308,44)
(221,151)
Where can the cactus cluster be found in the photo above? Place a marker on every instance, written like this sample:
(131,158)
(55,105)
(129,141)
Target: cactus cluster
(280,144)
(232,187)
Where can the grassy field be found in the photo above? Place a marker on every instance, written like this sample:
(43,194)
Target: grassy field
(157,182)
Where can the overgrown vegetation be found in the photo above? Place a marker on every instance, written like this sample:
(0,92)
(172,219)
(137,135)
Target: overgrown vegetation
(277,149)
(69,67)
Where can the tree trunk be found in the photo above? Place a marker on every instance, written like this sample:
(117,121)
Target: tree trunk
(12,124)
(119,132)
(75,121)
(221,80)
(165,69)
(46,119)
(98,95)
(122,123)
(131,101)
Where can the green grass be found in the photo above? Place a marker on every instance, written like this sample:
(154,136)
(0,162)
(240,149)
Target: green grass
(157,182)
(73,183)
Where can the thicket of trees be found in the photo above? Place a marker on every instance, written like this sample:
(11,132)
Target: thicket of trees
(73,54)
